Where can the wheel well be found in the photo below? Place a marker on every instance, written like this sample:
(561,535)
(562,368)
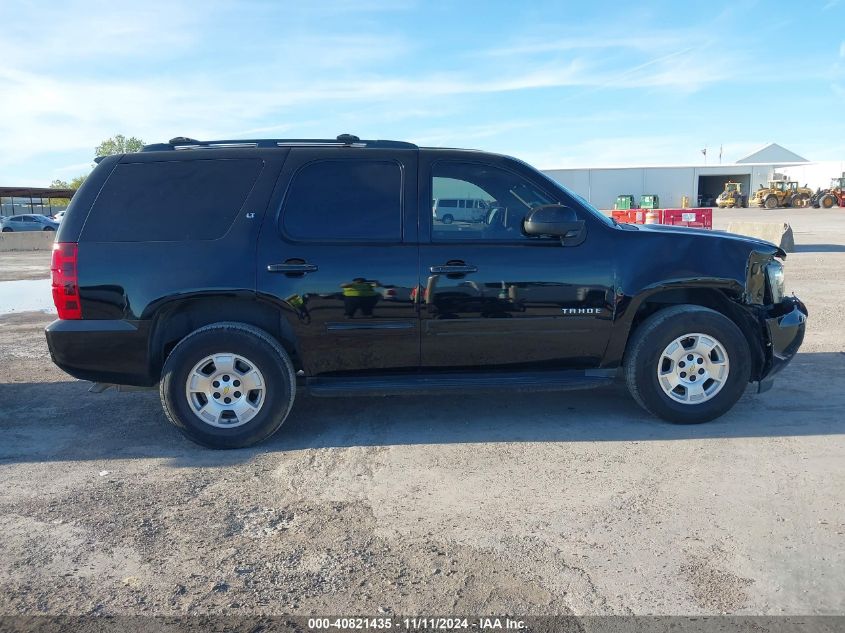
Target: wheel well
(717,300)
(177,319)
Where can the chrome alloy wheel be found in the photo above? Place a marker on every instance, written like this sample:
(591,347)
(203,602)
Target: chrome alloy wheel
(693,368)
(225,390)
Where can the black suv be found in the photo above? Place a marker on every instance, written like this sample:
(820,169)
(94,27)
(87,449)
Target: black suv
(233,273)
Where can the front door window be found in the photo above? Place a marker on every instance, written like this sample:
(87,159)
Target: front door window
(495,202)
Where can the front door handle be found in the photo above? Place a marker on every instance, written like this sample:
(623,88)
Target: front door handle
(454,269)
(292,267)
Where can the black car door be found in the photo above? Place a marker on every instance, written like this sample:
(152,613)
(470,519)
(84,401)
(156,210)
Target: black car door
(494,297)
(340,256)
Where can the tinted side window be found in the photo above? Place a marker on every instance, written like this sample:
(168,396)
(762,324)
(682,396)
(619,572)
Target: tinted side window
(354,199)
(171,200)
(497,201)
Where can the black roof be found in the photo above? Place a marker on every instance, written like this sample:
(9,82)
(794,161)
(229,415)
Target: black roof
(344,140)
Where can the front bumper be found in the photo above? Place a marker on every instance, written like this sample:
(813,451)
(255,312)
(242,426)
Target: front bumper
(785,325)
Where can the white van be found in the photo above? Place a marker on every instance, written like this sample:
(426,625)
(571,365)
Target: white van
(448,210)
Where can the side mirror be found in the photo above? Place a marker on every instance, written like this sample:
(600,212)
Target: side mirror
(557,221)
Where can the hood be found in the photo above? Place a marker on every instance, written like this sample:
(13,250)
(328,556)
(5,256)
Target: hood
(752,242)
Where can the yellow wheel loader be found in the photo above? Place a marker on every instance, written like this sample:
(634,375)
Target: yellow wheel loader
(732,196)
(782,193)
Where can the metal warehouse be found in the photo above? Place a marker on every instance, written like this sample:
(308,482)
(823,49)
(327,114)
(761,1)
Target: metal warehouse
(699,183)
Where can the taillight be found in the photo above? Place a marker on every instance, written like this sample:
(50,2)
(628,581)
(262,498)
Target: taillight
(65,281)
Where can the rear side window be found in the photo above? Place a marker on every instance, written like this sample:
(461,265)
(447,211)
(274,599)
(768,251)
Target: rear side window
(171,200)
(345,200)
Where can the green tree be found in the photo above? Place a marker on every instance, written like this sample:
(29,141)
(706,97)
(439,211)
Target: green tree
(74,184)
(119,144)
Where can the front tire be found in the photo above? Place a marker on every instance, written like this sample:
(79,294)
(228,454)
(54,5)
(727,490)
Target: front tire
(826,201)
(798,201)
(448,218)
(687,364)
(771,202)
(227,385)
(6,229)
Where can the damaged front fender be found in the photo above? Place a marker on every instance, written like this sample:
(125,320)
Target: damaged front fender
(755,274)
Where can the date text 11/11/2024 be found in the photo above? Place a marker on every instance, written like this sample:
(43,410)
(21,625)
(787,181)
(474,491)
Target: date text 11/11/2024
(416,623)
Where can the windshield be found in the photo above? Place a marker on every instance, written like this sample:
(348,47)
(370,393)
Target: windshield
(581,201)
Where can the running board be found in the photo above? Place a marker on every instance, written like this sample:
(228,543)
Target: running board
(414,384)
(100,387)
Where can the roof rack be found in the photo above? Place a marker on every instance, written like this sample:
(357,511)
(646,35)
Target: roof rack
(344,140)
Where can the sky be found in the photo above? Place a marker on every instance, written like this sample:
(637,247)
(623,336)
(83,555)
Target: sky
(556,83)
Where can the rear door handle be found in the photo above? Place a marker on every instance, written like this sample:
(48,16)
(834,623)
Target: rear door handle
(292,268)
(454,269)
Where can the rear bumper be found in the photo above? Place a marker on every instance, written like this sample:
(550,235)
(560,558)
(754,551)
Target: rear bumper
(110,351)
(785,326)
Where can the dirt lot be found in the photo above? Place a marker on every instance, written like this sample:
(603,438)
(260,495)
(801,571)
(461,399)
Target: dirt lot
(542,503)
(24,265)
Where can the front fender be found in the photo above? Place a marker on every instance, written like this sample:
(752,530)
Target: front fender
(713,293)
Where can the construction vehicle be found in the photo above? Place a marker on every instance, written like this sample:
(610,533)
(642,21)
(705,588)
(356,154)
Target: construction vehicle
(835,195)
(782,193)
(732,196)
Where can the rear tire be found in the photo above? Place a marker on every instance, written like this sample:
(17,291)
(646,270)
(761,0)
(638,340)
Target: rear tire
(649,370)
(826,201)
(448,218)
(48,228)
(6,229)
(246,356)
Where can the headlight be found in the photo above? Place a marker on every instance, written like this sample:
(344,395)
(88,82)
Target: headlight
(774,274)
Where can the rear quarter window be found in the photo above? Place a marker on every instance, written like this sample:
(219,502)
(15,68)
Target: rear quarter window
(171,200)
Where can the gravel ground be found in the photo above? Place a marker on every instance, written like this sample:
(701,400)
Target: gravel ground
(15,265)
(573,503)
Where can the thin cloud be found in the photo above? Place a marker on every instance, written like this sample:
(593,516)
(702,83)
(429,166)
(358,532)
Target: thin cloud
(566,44)
(58,114)
(75,168)
(69,111)
(378,68)
(452,136)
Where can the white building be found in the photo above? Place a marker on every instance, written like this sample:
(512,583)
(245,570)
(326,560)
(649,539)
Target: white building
(601,185)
